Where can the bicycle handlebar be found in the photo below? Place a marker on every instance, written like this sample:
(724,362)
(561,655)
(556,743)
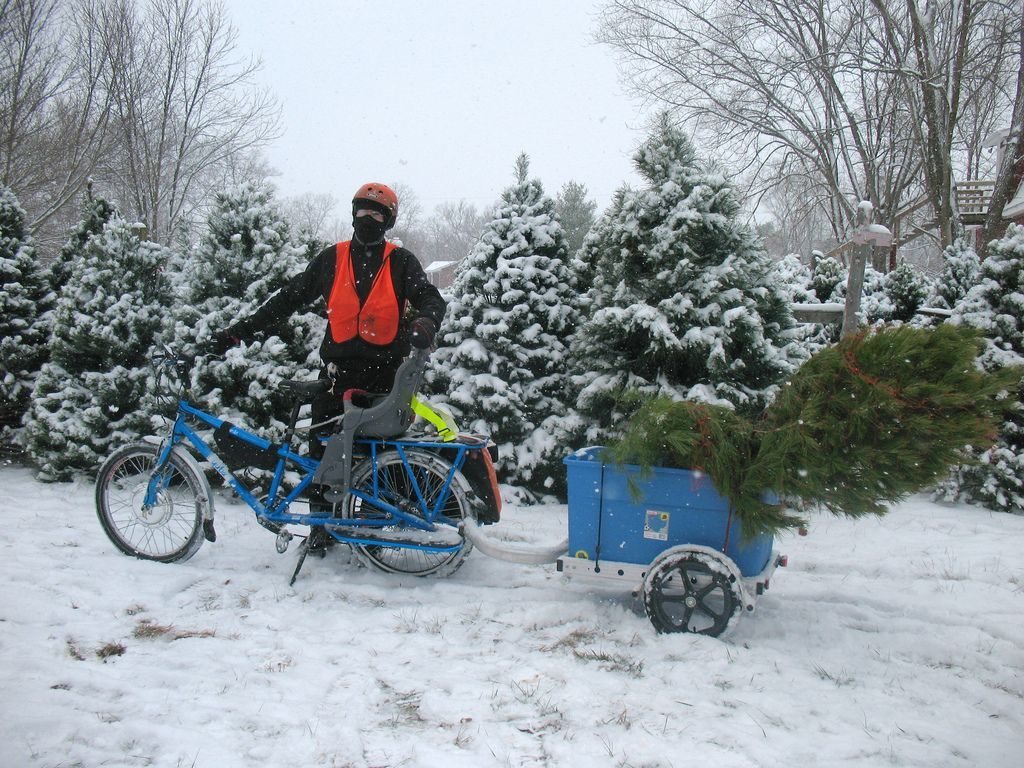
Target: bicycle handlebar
(182,364)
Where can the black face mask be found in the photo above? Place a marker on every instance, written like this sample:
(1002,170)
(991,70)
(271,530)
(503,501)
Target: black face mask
(368,231)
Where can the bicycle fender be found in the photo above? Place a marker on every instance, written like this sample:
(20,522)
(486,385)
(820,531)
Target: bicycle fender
(206,500)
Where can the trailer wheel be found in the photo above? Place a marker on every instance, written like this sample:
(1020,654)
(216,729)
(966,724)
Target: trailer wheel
(687,591)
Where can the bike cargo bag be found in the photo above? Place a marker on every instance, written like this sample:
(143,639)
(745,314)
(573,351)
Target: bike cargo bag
(238,453)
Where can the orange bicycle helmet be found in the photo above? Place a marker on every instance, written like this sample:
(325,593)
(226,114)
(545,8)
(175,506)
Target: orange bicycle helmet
(380,194)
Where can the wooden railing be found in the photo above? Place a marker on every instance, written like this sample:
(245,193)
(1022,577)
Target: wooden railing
(973,198)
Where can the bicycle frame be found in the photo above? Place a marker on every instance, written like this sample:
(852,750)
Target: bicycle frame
(275,509)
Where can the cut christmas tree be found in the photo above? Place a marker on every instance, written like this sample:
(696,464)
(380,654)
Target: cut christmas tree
(860,425)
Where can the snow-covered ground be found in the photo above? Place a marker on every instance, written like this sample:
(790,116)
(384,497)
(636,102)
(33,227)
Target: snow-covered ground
(896,641)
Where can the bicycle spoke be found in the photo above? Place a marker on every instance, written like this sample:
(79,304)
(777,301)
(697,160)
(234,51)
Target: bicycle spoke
(169,529)
(415,483)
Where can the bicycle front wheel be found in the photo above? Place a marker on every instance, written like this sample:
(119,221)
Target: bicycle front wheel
(169,531)
(392,480)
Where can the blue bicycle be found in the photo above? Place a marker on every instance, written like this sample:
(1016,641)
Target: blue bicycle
(396,496)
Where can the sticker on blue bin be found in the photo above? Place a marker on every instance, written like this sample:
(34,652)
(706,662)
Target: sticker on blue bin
(656,525)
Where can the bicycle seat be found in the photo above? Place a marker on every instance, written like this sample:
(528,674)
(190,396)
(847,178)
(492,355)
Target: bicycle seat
(306,390)
(366,415)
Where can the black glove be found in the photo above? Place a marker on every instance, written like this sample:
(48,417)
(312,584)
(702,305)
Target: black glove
(219,343)
(421,332)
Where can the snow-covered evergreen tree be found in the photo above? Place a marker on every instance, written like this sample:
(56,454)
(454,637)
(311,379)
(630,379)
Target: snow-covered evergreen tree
(86,399)
(875,304)
(245,255)
(575,213)
(995,305)
(684,302)
(502,362)
(960,271)
(828,274)
(885,297)
(603,231)
(795,279)
(96,212)
(25,300)
(908,290)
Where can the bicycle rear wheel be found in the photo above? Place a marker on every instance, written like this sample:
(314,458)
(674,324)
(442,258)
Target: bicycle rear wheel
(169,531)
(394,485)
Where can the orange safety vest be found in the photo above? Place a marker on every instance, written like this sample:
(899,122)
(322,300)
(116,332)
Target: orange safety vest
(376,321)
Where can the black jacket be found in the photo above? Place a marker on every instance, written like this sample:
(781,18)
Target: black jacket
(410,283)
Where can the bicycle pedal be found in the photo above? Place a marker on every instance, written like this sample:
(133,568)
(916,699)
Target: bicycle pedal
(284,538)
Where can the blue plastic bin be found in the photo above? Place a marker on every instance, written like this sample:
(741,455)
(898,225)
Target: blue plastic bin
(677,506)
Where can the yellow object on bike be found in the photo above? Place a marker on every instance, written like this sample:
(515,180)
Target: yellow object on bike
(440,418)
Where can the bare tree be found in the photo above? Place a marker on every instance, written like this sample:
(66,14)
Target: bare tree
(799,227)
(241,167)
(934,45)
(985,94)
(409,229)
(32,73)
(859,100)
(53,109)
(1013,150)
(453,230)
(184,106)
(149,98)
(313,214)
(773,84)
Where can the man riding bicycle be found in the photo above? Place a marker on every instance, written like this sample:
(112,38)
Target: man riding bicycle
(366,283)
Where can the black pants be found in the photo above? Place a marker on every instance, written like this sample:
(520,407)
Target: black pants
(350,374)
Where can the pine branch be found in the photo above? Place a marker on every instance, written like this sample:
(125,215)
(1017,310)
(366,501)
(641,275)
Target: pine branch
(860,426)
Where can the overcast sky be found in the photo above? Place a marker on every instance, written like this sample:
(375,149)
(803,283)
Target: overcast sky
(441,96)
